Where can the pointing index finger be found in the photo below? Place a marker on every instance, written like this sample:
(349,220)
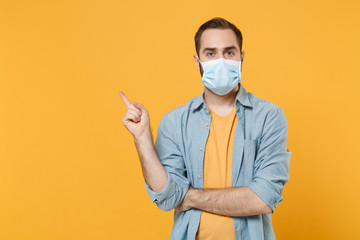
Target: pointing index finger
(125,99)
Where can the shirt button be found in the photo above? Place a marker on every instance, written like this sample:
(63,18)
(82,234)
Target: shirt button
(194,227)
(201,149)
(206,124)
(199,175)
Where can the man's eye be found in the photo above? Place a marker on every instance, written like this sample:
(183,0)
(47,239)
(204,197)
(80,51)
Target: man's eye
(209,54)
(230,53)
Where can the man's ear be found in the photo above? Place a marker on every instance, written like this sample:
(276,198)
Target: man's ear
(242,59)
(196,61)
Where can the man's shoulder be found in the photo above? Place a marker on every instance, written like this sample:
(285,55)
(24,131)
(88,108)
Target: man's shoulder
(183,109)
(174,117)
(262,105)
(265,109)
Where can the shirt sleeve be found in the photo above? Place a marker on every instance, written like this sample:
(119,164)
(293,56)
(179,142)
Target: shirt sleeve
(169,154)
(271,168)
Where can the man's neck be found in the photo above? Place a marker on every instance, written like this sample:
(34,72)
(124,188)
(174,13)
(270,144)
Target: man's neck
(222,105)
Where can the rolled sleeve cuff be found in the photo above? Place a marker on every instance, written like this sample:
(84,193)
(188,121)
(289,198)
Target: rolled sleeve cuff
(167,192)
(266,193)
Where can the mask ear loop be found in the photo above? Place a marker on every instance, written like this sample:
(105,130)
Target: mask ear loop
(240,71)
(201,64)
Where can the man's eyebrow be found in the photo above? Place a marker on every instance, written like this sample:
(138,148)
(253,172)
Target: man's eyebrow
(231,48)
(209,49)
(226,49)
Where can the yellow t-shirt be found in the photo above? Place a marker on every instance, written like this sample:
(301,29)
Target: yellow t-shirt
(217,174)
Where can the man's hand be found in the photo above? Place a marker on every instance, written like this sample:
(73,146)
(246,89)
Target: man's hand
(136,118)
(186,203)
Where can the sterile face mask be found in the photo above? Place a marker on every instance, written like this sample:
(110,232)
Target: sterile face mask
(221,75)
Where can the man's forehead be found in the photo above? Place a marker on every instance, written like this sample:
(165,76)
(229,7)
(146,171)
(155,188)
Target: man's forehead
(218,38)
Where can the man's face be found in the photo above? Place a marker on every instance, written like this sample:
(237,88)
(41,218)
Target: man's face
(218,43)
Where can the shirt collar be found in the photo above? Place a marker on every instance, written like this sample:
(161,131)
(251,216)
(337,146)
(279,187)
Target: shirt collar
(242,97)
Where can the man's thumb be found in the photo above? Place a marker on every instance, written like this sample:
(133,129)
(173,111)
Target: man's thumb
(140,106)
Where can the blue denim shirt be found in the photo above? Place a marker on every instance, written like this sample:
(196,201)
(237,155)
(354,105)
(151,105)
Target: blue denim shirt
(260,161)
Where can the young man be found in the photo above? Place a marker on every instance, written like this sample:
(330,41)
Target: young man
(220,160)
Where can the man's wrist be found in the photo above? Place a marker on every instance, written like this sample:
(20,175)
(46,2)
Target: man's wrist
(192,195)
(144,136)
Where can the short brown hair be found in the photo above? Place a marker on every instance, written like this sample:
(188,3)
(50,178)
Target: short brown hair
(217,23)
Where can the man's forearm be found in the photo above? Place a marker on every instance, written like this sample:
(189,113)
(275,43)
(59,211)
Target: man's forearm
(239,201)
(153,171)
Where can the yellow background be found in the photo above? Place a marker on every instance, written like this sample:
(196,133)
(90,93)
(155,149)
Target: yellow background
(69,168)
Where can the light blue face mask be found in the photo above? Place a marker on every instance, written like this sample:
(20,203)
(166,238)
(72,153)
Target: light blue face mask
(221,75)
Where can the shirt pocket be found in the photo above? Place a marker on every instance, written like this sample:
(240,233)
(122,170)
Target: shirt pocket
(248,161)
